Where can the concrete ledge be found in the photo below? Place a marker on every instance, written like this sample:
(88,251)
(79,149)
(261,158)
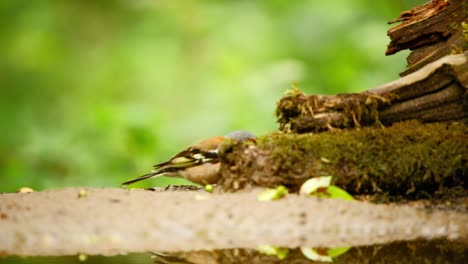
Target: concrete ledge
(112,221)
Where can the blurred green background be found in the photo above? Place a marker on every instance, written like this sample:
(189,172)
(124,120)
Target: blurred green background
(93,93)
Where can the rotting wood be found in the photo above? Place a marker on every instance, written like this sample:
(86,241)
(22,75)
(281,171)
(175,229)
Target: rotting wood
(434,89)
(437,92)
(430,31)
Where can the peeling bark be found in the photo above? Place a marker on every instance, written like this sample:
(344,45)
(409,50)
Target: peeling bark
(430,31)
(437,92)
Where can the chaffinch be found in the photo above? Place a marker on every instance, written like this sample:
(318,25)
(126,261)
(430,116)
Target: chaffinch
(198,163)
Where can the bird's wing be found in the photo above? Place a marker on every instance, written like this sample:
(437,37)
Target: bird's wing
(188,158)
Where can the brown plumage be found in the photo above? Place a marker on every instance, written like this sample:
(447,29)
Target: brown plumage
(198,163)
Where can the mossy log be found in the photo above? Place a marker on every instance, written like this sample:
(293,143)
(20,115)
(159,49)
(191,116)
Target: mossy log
(430,31)
(409,159)
(437,92)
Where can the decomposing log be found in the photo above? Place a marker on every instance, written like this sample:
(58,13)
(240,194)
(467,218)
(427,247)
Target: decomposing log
(394,161)
(431,31)
(437,92)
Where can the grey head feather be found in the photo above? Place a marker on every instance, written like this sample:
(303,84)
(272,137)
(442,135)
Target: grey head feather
(240,135)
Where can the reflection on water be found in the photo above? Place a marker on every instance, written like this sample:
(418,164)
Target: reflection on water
(121,259)
(436,251)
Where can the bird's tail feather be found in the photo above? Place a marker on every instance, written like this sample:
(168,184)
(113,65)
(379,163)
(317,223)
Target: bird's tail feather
(143,177)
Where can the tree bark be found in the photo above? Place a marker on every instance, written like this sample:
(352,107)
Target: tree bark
(437,92)
(431,31)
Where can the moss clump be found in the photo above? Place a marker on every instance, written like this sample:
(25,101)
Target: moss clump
(407,160)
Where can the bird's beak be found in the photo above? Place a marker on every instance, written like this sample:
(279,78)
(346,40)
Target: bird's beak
(253,140)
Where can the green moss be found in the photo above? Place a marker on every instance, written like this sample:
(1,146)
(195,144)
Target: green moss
(453,26)
(465,31)
(408,160)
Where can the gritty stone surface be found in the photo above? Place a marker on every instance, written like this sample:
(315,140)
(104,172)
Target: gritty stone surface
(112,221)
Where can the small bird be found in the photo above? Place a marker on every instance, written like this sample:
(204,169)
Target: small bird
(198,163)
